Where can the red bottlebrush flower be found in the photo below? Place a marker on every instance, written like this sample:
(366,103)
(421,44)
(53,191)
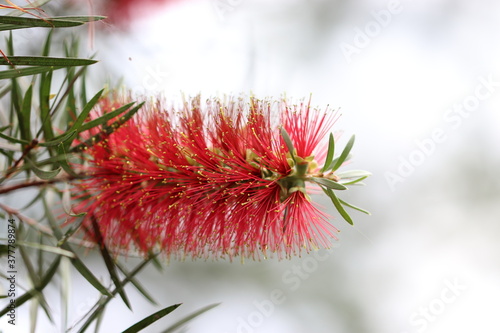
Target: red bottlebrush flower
(122,11)
(213,179)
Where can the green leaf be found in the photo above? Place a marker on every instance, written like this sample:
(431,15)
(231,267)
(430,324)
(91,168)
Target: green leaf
(345,153)
(46,61)
(72,229)
(354,182)
(137,285)
(86,273)
(71,80)
(330,184)
(11,22)
(3,248)
(85,112)
(47,248)
(44,95)
(105,300)
(83,88)
(151,319)
(104,118)
(330,153)
(80,18)
(42,174)
(34,279)
(76,262)
(48,43)
(65,289)
(15,91)
(64,163)
(14,140)
(289,143)
(71,51)
(37,289)
(107,130)
(125,118)
(353,174)
(32,274)
(186,319)
(65,137)
(25,115)
(338,205)
(14,73)
(110,264)
(354,207)
(47,161)
(4,90)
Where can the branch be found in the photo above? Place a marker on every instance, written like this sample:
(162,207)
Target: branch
(7,189)
(40,227)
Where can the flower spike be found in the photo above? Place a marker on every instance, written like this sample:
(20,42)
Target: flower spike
(214,179)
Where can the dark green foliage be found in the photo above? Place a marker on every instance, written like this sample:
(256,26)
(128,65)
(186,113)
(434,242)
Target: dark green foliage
(38,144)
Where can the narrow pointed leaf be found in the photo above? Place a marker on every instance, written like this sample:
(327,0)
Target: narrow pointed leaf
(151,319)
(83,88)
(65,290)
(99,307)
(330,153)
(83,19)
(85,112)
(47,248)
(4,90)
(46,61)
(110,264)
(289,143)
(354,207)
(44,96)
(14,140)
(107,130)
(137,285)
(345,153)
(338,206)
(13,73)
(124,118)
(30,268)
(71,230)
(188,318)
(65,137)
(48,43)
(330,184)
(64,163)
(34,291)
(354,182)
(86,273)
(76,262)
(12,22)
(71,79)
(104,118)
(42,174)
(25,115)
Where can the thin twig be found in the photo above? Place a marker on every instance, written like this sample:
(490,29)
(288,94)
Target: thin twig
(28,148)
(40,227)
(36,183)
(31,222)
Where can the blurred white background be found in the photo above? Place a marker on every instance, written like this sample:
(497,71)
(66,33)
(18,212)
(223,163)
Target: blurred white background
(418,82)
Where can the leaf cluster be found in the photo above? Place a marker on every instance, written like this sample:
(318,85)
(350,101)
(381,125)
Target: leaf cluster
(41,117)
(328,179)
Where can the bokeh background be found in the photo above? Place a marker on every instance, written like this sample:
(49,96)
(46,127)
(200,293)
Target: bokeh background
(418,82)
